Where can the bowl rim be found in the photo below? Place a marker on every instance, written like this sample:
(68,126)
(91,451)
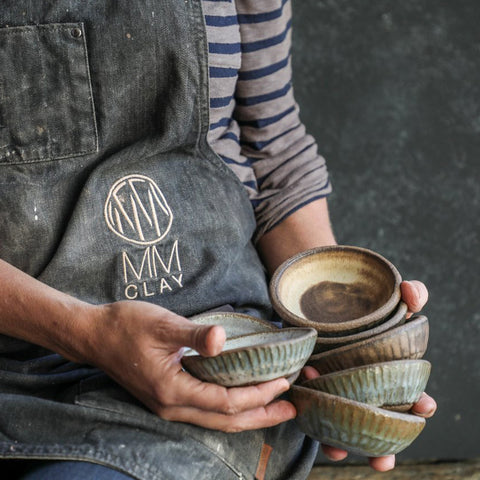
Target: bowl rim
(391,322)
(353,325)
(244,316)
(307,333)
(347,371)
(415,321)
(408,417)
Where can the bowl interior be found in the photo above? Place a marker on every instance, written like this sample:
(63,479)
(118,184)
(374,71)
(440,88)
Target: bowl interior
(279,336)
(336,284)
(235,324)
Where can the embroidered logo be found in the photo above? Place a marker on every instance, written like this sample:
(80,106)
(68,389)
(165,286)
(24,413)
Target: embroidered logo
(137,211)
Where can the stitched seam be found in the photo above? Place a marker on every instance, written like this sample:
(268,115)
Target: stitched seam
(27,29)
(90,88)
(24,29)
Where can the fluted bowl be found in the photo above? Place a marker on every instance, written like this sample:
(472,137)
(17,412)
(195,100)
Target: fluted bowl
(395,385)
(357,427)
(254,358)
(407,341)
(396,318)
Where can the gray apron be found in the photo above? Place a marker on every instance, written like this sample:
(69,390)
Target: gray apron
(109,191)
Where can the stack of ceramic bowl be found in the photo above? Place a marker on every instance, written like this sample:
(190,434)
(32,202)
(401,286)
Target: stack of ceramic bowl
(367,354)
(255,351)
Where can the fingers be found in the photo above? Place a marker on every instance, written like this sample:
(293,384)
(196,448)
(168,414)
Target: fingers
(425,407)
(414,294)
(333,453)
(228,401)
(309,372)
(382,464)
(262,417)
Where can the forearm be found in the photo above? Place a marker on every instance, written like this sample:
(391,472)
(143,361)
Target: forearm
(308,227)
(37,313)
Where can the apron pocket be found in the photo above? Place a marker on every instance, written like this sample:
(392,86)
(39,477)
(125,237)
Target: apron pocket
(46,103)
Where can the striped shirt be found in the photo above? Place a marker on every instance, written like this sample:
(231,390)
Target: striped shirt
(254,119)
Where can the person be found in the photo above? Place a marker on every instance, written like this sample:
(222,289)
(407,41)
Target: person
(153,167)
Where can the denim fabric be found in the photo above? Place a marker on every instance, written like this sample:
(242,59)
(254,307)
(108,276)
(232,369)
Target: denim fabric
(152,214)
(72,471)
(59,56)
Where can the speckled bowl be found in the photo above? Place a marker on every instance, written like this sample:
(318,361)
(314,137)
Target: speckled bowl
(393,385)
(338,290)
(235,324)
(408,341)
(254,358)
(397,318)
(357,427)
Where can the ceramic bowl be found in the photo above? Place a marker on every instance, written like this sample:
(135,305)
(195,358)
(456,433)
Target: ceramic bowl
(254,358)
(357,427)
(398,317)
(338,290)
(408,341)
(235,324)
(393,385)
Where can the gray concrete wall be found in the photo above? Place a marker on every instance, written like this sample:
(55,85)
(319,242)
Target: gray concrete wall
(391,91)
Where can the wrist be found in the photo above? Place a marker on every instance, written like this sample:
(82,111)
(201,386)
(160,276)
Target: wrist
(78,338)
(306,228)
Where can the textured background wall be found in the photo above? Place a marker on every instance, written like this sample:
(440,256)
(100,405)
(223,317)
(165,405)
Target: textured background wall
(391,91)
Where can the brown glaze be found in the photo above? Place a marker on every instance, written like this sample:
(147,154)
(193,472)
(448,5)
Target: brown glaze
(333,302)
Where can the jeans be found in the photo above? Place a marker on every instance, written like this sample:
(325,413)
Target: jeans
(68,470)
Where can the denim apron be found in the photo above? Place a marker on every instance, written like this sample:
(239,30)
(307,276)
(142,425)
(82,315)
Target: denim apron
(109,191)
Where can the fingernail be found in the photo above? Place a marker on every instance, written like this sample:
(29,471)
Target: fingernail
(390,463)
(424,414)
(413,287)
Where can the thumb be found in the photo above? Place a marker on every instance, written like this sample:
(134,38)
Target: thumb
(207,340)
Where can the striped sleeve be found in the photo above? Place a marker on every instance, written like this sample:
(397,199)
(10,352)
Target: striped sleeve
(288,170)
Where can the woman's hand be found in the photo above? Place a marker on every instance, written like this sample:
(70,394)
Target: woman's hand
(415,295)
(140,346)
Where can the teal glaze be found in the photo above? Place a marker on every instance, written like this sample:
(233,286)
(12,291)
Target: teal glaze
(408,341)
(396,384)
(353,426)
(254,358)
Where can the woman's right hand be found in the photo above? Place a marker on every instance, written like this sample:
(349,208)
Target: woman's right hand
(139,345)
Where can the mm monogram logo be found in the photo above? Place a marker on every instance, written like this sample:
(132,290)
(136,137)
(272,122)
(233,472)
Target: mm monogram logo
(137,211)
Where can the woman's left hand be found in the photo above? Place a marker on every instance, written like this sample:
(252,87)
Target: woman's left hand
(415,295)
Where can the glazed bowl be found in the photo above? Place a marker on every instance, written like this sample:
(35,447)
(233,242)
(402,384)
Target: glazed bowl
(397,318)
(338,290)
(354,426)
(395,385)
(407,341)
(235,324)
(254,358)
